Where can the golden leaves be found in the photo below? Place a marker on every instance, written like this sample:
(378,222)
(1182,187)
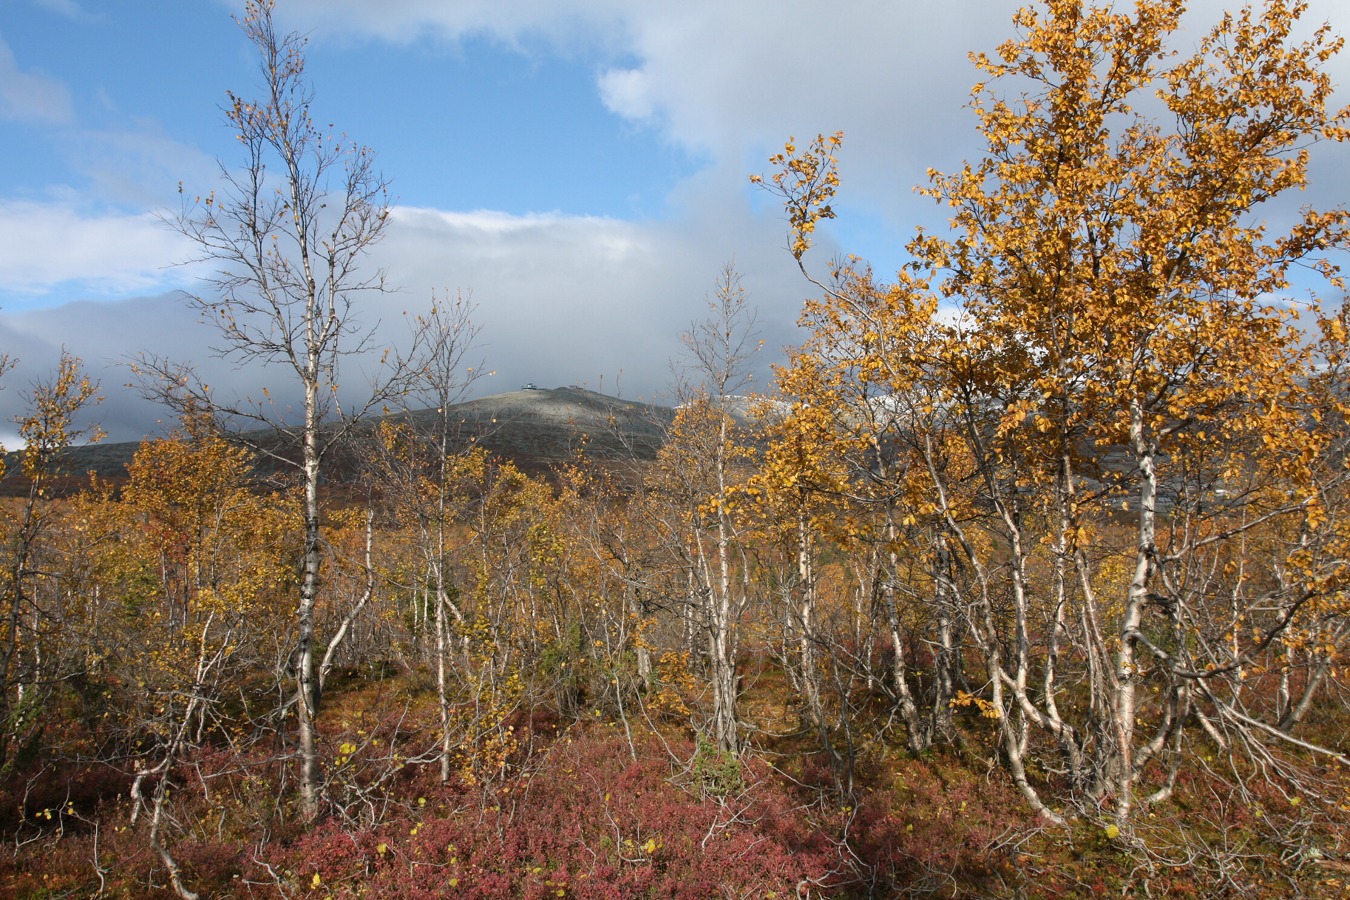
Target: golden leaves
(49,426)
(807,181)
(964,700)
(1111,319)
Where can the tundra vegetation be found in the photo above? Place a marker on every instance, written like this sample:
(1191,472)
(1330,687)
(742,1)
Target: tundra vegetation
(1030,578)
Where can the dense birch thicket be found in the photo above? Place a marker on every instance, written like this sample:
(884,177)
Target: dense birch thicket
(1066,498)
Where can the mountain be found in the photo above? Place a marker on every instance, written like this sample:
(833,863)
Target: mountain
(535,428)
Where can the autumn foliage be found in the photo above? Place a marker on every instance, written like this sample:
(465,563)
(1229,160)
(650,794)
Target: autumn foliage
(1028,579)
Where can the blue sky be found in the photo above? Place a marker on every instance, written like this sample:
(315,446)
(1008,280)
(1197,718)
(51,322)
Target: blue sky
(578,166)
(476,124)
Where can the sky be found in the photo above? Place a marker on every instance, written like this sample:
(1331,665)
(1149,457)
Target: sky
(578,168)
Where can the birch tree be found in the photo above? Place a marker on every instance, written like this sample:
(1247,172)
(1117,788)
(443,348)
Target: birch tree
(289,233)
(1116,341)
(704,457)
(49,427)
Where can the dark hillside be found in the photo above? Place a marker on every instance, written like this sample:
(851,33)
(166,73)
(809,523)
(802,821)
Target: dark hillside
(537,427)
(533,428)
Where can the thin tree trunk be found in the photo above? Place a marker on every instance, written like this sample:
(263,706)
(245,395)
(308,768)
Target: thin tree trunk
(1127,666)
(307,685)
(806,633)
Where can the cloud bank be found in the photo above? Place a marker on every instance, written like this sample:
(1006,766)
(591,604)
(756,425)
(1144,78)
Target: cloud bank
(562,298)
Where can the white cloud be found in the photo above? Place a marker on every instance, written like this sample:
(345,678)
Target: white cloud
(567,299)
(44,246)
(731,81)
(31,96)
(561,300)
(102,336)
(627,93)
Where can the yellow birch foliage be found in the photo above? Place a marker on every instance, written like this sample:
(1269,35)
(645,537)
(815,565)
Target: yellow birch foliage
(1105,328)
(1100,256)
(202,564)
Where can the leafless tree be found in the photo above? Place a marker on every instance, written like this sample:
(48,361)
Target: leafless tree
(289,233)
(714,375)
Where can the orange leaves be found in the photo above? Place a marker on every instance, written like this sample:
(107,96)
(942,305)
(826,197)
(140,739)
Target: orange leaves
(216,546)
(676,682)
(807,181)
(1101,330)
(49,426)
(1098,255)
(964,700)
